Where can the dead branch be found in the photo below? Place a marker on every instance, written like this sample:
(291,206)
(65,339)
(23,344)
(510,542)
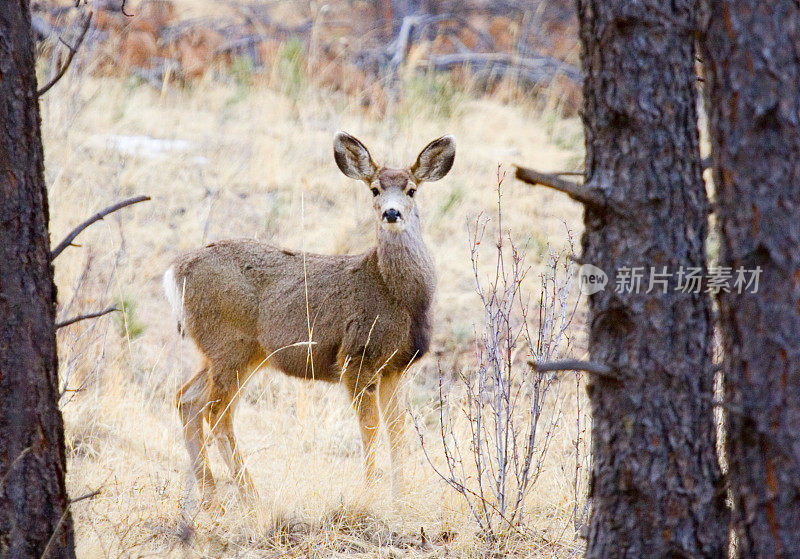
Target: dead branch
(534,68)
(577,192)
(72,50)
(91,495)
(397,49)
(86,316)
(574,365)
(452,36)
(96,217)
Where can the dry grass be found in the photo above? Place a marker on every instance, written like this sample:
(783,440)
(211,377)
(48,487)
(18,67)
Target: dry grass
(258,163)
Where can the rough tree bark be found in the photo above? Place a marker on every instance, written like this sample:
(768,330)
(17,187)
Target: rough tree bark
(751,59)
(655,482)
(34,511)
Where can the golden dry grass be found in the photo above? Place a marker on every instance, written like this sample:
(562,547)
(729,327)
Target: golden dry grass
(257,162)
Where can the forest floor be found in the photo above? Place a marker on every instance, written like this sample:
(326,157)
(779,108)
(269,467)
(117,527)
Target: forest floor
(225,159)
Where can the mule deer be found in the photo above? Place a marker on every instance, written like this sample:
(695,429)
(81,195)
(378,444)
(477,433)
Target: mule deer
(359,319)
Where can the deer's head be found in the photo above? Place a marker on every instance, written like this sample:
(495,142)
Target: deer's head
(393,189)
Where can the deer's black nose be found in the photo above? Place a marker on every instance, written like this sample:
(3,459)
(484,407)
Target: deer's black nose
(391,215)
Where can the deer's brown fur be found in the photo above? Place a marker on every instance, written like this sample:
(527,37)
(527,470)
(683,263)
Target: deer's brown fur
(360,319)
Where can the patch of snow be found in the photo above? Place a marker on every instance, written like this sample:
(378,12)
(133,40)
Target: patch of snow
(143,146)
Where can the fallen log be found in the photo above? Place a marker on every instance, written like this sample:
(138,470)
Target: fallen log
(534,68)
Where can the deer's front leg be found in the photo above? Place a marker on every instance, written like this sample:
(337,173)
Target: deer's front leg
(394,417)
(365,401)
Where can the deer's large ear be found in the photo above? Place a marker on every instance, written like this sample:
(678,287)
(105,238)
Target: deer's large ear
(436,160)
(353,158)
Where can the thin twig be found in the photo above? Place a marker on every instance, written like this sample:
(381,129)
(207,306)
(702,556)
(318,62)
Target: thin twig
(575,258)
(96,217)
(574,365)
(461,488)
(122,9)
(22,454)
(46,551)
(72,51)
(577,192)
(87,316)
(91,495)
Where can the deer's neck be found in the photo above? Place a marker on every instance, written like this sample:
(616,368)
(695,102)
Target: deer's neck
(406,267)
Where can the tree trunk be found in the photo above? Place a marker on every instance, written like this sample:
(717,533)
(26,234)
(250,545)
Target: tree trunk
(34,512)
(655,483)
(753,79)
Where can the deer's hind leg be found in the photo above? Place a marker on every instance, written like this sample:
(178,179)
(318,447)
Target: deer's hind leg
(220,422)
(192,402)
(227,383)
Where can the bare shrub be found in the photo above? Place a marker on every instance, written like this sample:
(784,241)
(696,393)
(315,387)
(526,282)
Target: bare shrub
(497,424)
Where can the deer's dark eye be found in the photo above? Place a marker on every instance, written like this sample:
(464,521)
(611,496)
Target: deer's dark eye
(411,192)
(375,191)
